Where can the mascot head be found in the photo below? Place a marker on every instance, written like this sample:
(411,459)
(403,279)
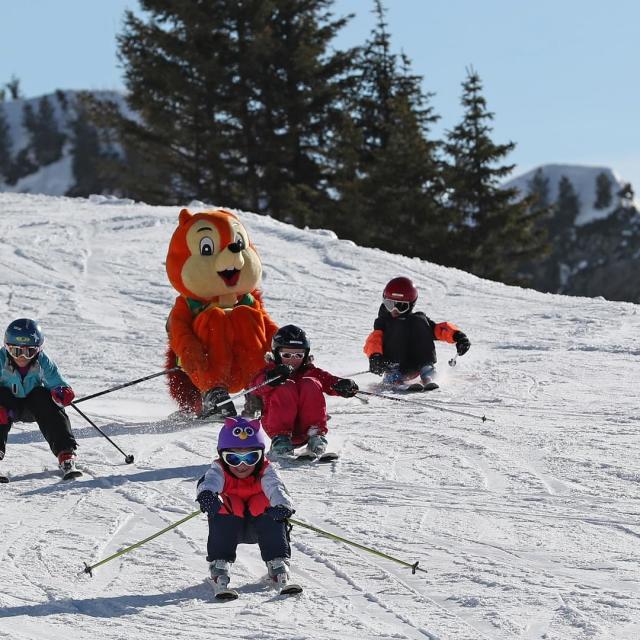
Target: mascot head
(211,259)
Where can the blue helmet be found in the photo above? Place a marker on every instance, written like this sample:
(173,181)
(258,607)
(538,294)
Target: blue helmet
(24,332)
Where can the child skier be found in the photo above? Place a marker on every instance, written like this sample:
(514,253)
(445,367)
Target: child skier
(294,409)
(246,502)
(32,390)
(401,345)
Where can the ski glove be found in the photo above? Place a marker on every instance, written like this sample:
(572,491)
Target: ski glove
(462,343)
(346,388)
(279,513)
(62,396)
(283,371)
(377,364)
(209,502)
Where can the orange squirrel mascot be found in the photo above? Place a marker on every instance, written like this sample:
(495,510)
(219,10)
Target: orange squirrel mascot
(218,329)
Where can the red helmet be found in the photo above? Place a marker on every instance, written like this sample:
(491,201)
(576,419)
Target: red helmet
(401,289)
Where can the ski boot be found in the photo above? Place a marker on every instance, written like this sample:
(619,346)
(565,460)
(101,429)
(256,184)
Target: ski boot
(278,569)
(219,580)
(211,404)
(67,464)
(281,447)
(3,477)
(317,445)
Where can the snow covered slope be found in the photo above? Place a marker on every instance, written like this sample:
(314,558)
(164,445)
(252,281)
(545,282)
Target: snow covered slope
(528,526)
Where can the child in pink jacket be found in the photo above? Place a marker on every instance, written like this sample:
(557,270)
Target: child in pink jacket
(294,409)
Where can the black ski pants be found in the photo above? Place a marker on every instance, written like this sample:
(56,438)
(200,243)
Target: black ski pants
(38,407)
(226,532)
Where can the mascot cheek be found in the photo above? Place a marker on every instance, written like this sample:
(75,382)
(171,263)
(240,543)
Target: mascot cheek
(251,274)
(199,275)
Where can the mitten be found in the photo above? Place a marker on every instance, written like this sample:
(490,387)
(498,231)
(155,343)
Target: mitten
(346,388)
(462,343)
(279,513)
(282,371)
(209,502)
(62,396)
(377,364)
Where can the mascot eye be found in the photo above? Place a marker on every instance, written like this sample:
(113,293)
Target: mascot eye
(206,246)
(249,431)
(239,241)
(237,431)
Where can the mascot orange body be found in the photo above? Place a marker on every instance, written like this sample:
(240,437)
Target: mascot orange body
(218,329)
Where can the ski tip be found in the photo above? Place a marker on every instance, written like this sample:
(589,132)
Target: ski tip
(227,595)
(72,475)
(4,479)
(291,590)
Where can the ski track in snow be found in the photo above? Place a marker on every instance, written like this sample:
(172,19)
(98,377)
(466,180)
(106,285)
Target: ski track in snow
(528,527)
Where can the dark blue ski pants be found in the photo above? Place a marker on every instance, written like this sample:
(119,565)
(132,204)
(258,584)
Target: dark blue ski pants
(226,532)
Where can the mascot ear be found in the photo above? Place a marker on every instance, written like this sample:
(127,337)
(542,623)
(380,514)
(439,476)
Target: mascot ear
(184,216)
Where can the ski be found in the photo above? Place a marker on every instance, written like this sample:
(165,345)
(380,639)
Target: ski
(419,386)
(328,456)
(226,595)
(4,479)
(290,589)
(72,474)
(222,595)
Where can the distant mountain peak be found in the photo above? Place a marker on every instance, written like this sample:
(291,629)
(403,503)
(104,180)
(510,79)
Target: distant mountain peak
(584,180)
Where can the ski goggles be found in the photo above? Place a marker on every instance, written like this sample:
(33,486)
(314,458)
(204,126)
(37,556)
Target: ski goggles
(17,351)
(401,306)
(249,458)
(291,356)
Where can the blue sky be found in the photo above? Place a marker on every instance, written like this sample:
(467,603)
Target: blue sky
(561,77)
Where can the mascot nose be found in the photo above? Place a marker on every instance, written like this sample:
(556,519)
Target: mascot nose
(236,247)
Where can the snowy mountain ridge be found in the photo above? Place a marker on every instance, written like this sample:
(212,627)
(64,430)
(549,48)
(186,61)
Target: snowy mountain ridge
(527,526)
(583,178)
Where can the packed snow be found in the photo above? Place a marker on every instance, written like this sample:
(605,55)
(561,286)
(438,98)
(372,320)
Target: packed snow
(527,526)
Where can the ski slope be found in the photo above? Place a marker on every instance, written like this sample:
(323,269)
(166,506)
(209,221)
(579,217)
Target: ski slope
(528,526)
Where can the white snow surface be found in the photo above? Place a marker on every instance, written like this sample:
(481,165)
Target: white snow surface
(527,527)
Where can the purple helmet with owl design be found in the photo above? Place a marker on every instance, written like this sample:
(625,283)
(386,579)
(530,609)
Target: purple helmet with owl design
(240,433)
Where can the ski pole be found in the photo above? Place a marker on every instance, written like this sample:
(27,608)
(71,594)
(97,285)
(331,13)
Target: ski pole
(246,391)
(357,373)
(454,361)
(128,384)
(425,404)
(128,458)
(413,566)
(89,568)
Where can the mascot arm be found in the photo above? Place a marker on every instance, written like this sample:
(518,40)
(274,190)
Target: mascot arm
(183,341)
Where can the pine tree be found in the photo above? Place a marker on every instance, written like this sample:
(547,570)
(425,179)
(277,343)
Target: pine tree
(494,230)
(604,193)
(396,174)
(14,88)
(46,139)
(5,145)
(539,190)
(566,209)
(87,155)
(287,104)
(236,103)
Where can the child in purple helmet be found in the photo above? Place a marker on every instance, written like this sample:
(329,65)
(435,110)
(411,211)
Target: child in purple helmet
(246,502)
